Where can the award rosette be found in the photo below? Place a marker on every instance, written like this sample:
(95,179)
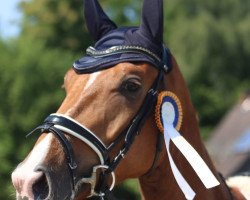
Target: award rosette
(168,107)
(169,116)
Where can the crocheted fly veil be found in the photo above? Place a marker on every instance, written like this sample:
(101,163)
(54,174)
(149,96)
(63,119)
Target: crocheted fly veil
(114,45)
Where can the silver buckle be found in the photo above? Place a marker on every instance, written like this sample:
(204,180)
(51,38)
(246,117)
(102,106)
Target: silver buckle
(92,181)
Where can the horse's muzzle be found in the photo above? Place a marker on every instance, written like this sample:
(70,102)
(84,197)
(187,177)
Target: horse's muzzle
(41,184)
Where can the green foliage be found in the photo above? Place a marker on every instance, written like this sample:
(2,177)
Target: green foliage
(30,80)
(210,40)
(127,190)
(61,24)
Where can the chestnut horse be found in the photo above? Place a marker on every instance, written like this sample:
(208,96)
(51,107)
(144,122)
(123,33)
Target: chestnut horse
(97,113)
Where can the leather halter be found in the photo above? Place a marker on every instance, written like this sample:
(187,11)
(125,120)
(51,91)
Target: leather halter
(60,124)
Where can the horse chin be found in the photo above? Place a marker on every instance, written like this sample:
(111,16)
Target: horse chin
(41,189)
(52,185)
(82,192)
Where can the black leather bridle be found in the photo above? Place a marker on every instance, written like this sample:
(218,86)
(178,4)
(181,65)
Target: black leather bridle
(61,124)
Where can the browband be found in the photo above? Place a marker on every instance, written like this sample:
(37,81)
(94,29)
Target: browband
(97,59)
(121,49)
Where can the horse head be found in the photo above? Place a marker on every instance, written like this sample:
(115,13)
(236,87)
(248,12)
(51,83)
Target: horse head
(105,131)
(108,92)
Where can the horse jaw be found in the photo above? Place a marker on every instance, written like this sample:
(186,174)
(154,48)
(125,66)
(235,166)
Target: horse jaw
(161,184)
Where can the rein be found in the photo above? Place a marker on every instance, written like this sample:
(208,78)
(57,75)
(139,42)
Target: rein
(59,124)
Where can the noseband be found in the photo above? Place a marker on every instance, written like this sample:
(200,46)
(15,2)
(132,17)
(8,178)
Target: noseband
(59,124)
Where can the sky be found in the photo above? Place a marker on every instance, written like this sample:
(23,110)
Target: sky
(10,15)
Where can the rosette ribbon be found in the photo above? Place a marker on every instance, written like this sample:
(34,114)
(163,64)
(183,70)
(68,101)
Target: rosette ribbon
(170,111)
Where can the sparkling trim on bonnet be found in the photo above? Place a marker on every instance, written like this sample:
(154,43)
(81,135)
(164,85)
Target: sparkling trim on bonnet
(91,51)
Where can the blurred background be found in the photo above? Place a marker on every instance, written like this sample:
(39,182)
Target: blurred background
(40,39)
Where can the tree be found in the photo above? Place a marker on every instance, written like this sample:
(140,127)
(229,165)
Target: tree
(30,82)
(61,23)
(210,40)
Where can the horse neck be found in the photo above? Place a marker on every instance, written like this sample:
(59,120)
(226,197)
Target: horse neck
(161,184)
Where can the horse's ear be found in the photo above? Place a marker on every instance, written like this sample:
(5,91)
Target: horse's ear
(152,20)
(98,22)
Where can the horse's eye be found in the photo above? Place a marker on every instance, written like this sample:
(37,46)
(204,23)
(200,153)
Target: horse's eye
(131,86)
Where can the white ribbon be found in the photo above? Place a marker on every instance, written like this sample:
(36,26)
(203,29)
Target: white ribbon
(194,159)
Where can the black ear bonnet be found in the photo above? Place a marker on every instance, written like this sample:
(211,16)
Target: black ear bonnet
(126,44)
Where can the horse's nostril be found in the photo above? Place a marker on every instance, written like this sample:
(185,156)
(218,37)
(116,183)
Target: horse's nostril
(41,188)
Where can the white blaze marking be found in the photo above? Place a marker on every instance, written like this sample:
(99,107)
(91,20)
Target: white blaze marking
(39,152)
(92,79)
(25,176)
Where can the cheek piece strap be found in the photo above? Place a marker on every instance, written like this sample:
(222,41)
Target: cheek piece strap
(59,125)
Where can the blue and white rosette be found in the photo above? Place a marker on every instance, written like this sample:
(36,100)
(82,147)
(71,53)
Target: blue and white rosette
(169,119)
